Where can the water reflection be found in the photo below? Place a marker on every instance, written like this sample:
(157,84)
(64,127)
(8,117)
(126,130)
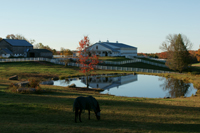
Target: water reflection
(109,82)
(175,87)
(134,85)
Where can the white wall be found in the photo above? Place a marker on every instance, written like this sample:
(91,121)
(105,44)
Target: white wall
(5,55)
(100,48)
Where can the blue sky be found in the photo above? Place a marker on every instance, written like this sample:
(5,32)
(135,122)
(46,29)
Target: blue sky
(63,23)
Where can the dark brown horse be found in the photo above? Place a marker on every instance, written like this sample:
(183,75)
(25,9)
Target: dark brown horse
(86,103)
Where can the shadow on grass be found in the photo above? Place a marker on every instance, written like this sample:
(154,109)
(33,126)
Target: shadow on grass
(35,112)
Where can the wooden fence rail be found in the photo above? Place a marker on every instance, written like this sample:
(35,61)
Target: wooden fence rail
(133,60)
(57,61)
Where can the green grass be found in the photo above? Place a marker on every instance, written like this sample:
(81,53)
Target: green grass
(147,59)
(135,65)
(40,70)
(196,67)
(36,69)
(49,70)
(140,65)
(113,58)
(52,112)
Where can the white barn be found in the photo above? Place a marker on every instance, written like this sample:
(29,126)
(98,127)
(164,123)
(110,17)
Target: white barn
(107,83)
(112,49)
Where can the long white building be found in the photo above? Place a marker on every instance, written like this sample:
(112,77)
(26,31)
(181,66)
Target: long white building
(112,49)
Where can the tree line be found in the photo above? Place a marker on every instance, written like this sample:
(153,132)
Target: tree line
(194,55)
(176,51)
(62,51)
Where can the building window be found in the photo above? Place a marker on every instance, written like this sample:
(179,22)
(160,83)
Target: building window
(96,47)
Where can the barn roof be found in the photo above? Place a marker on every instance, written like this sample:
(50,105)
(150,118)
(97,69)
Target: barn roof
(7,51)
(40,50)
(118,45)
(15,42)
(103,44)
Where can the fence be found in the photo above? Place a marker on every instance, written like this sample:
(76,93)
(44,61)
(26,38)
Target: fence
(123,68)
(56,61)
(133,60)
(147,62)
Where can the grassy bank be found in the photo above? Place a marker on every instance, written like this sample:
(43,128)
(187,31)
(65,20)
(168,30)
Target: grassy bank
(140,65)
(46,70)
(39,70)
(108,58)
(51,111)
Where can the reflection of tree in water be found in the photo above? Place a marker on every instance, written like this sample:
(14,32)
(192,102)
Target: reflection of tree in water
(67,81)
(175,87)
(64,82)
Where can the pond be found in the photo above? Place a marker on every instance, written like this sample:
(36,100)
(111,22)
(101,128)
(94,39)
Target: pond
(135,85)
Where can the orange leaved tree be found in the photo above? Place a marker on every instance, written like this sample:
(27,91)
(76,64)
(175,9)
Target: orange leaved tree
(87,58)
(198,54)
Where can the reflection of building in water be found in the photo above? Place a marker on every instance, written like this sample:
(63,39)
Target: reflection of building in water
(109,82)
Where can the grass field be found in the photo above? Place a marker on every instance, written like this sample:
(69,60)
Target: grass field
(147,59)
(123,59)
(52,112)
(113,58)
(140,65)
(39,69)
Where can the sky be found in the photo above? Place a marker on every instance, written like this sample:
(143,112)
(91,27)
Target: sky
(63,23)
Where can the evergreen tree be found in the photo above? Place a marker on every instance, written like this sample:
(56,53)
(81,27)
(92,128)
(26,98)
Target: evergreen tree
(178,57)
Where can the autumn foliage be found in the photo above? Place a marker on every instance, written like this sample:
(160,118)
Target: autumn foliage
(198,55)
(87,59)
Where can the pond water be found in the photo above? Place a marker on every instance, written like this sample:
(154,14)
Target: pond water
(135,85)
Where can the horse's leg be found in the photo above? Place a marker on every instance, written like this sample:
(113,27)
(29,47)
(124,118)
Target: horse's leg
(76,114)
(80,115)
(89,114)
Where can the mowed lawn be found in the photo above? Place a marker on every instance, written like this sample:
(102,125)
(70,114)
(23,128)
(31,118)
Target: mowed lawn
(34,68)
(51,111)
(39,69)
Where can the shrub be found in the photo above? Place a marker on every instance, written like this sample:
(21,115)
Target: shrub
(33,83)
(13,88)
(32,87)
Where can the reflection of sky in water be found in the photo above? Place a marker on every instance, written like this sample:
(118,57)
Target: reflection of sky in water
(144,86)
(66,83)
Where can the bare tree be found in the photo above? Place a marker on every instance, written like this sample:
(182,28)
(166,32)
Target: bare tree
(19,37)
(177,47)
(11,36)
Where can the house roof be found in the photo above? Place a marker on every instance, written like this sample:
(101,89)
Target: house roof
(7,51)
(15,42)
(118,45)
(103,44)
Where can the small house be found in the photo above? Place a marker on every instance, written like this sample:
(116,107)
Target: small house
(21,48)
(13,47)
(40,53)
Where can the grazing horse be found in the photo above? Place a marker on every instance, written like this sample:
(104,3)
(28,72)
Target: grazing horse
(86,103)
